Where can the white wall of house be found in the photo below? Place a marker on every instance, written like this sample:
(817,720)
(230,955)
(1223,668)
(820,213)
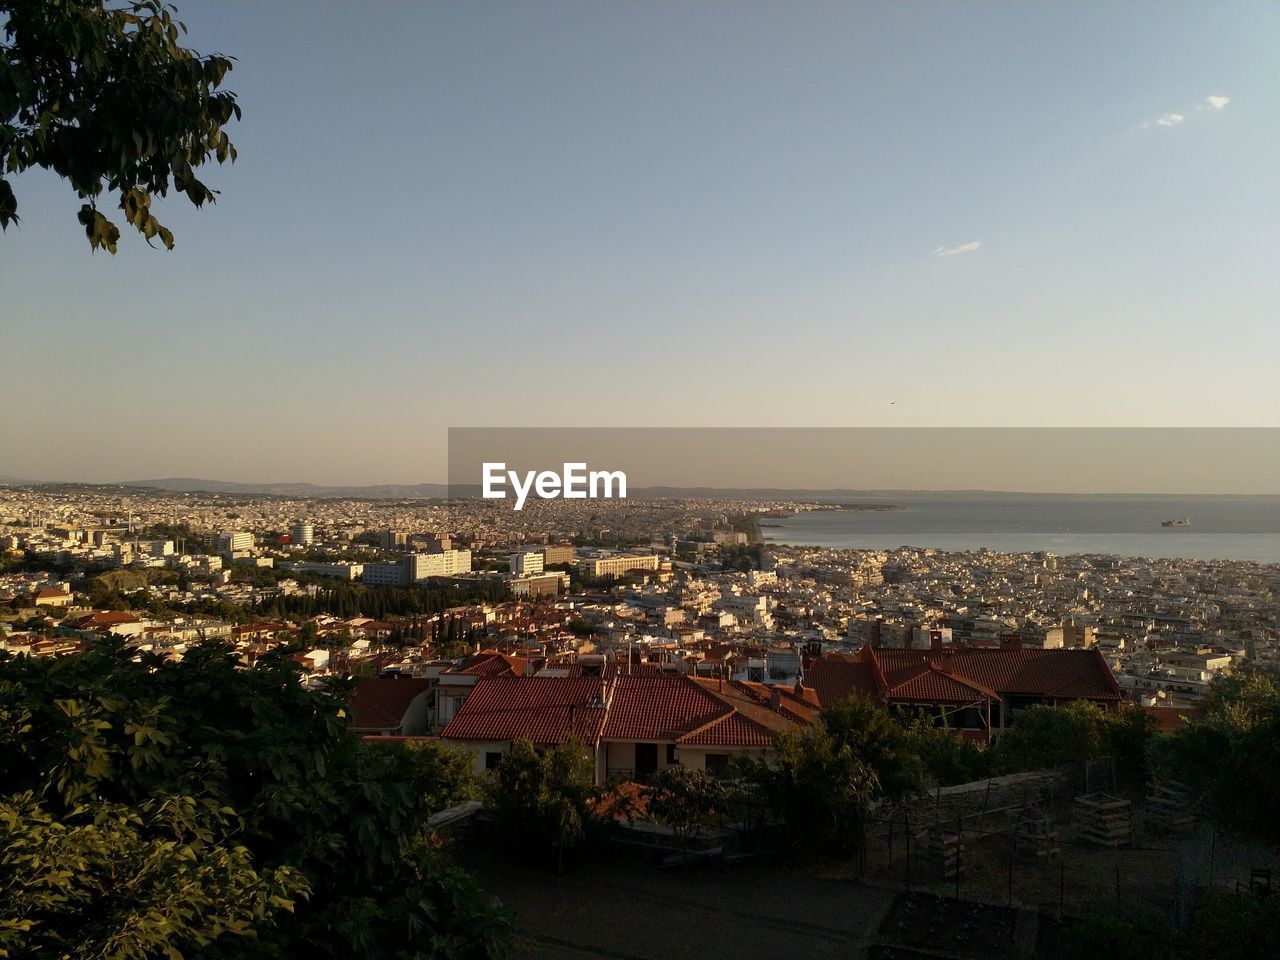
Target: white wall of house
(482,749)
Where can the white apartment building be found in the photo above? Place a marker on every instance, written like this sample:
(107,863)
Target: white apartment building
(414,567)
(616,566)
(526,563)
(238,541)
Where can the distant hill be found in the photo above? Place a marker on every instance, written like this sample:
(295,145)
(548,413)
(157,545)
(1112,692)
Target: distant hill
(382,491)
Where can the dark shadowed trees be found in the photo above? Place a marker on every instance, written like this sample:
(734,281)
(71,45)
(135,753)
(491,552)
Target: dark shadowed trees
(157,808)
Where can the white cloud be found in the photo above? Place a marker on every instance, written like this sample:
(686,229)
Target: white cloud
(1217,103)
(1166,120)
(969,247)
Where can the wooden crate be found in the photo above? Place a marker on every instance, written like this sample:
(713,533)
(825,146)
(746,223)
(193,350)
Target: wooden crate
(1169,807)
(945,854)
(1034,830)
(1103,819)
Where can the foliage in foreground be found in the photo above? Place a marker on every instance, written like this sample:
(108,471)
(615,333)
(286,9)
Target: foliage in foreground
(1231,755)
(821,781)
(1047,736)
(104,95)
(543,798)
(155,809)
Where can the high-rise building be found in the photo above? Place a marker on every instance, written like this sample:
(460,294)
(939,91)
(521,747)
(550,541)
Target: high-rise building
(237,541)
(304,534)
(525,563)
(414,567)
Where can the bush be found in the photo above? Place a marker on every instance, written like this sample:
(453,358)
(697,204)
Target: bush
(950,759)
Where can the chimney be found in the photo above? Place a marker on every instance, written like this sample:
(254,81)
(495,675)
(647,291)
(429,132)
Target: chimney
(775,700)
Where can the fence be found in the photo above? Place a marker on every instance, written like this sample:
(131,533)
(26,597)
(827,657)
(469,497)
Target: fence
(1041,842)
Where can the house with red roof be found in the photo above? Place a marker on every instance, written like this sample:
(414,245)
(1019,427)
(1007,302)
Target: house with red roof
(977,692)
(53,597)
(634,724)
(455,684)
(544,710)
(656,721)
(391,706)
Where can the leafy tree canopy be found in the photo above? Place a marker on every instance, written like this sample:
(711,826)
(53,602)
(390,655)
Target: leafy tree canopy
(543,798)
(104,95)
(153,808)
(1231,755)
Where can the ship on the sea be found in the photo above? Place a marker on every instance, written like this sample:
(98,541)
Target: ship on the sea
(1180,522)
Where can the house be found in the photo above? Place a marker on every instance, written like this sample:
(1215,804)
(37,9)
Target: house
(53,598)
(975,691)
(118,622)
(390,706)
(544,710)
(455,684)
(634,724)
(656,721)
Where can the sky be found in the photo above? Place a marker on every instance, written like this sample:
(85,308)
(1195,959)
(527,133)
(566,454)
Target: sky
(655,214)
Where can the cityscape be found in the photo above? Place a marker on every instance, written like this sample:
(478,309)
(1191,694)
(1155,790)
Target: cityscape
(639,480)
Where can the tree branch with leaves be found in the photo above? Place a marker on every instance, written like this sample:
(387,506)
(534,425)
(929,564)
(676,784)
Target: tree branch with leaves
(106,96)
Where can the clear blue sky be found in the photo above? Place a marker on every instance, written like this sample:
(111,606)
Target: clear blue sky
(465,214)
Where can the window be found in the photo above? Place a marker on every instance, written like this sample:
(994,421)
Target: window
(671,755)
(717,763)
(492,759)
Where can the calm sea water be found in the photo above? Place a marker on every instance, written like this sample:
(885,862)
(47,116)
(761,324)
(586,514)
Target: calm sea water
(1222,528)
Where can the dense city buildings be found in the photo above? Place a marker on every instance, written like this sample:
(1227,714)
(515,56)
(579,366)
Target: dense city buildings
(667,583)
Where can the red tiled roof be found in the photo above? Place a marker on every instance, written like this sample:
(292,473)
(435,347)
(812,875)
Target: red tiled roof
(1171,719)
(756,703)
(491,663)
(838,677)
(659,708)
(933,685)
(958,674)
(381,703)
(731,730)
(530,708)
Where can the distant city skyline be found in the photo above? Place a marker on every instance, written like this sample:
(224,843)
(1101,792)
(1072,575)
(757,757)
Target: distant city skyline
(728,214)
(1089,461)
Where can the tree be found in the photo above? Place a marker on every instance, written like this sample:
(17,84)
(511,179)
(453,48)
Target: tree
(1047,736)
(63,878)
(878,740)
(237,786)
(686,800)
(817,787)
(1231,755)
(948,758)
(104,95)
(543,798)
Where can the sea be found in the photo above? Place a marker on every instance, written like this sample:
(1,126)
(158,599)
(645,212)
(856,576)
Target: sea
(1221,528)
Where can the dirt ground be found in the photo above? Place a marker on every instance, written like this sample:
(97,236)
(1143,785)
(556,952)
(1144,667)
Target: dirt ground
(627,909)
(615,905)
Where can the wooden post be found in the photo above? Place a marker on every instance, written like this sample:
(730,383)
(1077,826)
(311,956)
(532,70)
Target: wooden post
(1011,868)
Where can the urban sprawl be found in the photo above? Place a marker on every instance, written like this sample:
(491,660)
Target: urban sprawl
(659,631)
